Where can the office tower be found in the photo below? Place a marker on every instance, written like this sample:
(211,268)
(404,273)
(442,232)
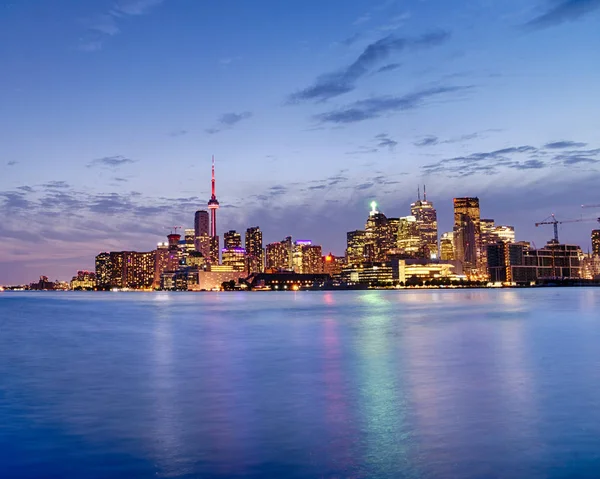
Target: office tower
(447,247)
(488,232)
(333,265)
(355,247)
(235,258)
(465,243)
(232,239)
(297,252)
(255,254)
(279,255)
(201,223)
(409,238)
(596,242)
(189,241)
(505,233)
(379,236)
(213,254)
(467,232)
(213,204)
(162,259)
(103,271)
(427,225)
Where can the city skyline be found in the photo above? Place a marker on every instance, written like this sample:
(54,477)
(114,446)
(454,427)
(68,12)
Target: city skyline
(108,142)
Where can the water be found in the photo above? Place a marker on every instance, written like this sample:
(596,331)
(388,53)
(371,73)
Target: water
(425,384)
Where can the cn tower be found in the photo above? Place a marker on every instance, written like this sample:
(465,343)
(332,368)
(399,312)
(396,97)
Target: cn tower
(213,204)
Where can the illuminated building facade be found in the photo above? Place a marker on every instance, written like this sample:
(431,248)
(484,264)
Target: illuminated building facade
(333,265)
(255,254)
(189,241)
(467,232)
(234,257)
(422,269)
(505,233)
(596,242)
(355,247)
(380,238)
(103,271)
(201,223)
(84,280)
(371,274)
(117,260)
(311,259)
(409,239)
(427,225)
(447,246)
(232,239)
(278,256)
(213,254)
(138,269)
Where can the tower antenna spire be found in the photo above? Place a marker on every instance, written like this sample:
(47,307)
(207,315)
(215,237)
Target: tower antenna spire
(424,193)
(214,183)
(419,192)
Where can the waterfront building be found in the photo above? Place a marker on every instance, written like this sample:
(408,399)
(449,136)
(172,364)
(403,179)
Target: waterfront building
(117,261)
(355,247)
(371,274)
(85,280)
(279,255)
(422,269)
(506,264)
(333,265)
(138,269)
(447,246)
(286,281)
(427,225)
(590,267)
(255,253)
(596,242)
(103,271)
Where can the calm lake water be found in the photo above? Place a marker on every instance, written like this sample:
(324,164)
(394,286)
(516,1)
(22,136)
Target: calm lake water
(384,384)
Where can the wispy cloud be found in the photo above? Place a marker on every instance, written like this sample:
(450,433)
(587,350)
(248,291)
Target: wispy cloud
(561,11)
(111,161)
(176,133)
(377,106)
(343,81)
(228,120)
(432,140)
(557,145)
(105,25)
(525,157)
(12,163)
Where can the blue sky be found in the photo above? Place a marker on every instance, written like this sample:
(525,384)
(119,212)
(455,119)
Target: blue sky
(111,110)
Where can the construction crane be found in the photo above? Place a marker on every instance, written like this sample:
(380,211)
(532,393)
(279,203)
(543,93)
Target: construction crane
(174,229)
(551,220)
(590,206)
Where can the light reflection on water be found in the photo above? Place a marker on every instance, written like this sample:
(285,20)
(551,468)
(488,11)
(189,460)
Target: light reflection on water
(476,383)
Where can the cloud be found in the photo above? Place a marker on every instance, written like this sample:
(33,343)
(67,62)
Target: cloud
(176,133)
(564,144)
(564,11)
(343,81)
(102,26)
(389,68)
(351,40)
(52,185)
(111,161)
(362,19)
(432,140)
(428,141)
(492,162)
(384,141)
(228,120)
(377,106)
(12,163)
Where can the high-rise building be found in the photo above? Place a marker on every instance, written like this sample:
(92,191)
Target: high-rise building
(447,247)
(333,265)
(467,232)
(234,257)
(232,239)
(203,243)
(307,258)
(201,223)
(138,269)
(355,247)
(505,233)
(380,237)
(279,255)
(596,242)
(255,254)
(409,238)
(213,204)
(214,250)
(103,271)
(427,226)
(117,261)
(85,280)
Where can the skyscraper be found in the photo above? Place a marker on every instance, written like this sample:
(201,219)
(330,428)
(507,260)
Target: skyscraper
(255,253)
(447,247)
(355,247)
(427,225)
(409,238)
(201,223)
(596,242)
(380,237)
(467,232)
(232,239)
(103,271)
(279,255)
